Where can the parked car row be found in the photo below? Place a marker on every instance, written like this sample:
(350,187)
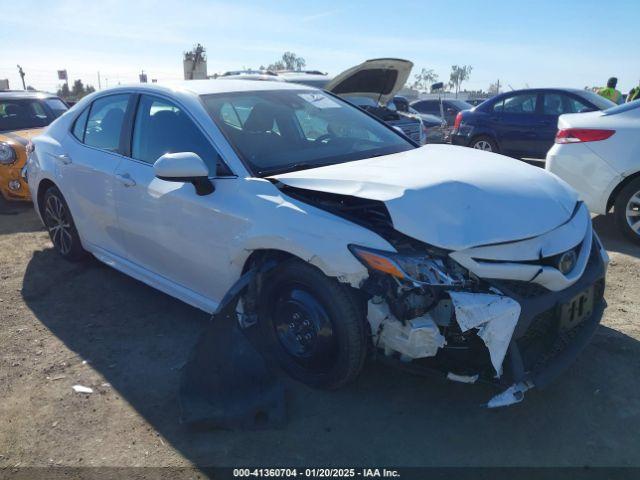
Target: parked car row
(521,123)
(372,243)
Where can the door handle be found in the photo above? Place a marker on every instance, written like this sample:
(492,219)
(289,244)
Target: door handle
(63,158)
(126,179)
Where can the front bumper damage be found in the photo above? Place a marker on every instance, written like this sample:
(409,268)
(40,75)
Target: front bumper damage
(511,336)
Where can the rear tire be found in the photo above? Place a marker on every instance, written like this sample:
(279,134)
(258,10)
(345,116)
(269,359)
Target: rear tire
(59,222)
(313,326)
(484,143)
(627,210)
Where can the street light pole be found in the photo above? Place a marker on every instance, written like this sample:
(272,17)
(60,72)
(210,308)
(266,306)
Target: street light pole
(21,72)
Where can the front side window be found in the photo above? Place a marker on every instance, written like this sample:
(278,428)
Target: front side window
(162,127)
(284,130)
(21,114)
(104,124)
(552,104)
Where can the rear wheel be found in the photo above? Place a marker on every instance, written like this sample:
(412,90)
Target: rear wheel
(62,231)
(484,143)
(627,210)
(313,325)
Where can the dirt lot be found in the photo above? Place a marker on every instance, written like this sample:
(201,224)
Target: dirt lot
(63,324)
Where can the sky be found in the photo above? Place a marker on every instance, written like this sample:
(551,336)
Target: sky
(560,43)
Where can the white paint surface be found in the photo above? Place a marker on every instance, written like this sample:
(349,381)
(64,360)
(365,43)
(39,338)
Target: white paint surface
(451,197)
(495,317)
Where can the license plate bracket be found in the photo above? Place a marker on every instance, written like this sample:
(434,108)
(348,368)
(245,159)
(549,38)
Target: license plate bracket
(576,310)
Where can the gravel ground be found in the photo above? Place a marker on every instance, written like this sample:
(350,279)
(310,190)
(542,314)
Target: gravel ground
(63,324)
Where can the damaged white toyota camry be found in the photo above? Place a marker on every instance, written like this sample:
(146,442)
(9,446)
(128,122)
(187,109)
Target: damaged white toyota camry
(440,257)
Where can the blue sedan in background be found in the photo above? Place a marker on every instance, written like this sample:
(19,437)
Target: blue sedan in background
(522,123)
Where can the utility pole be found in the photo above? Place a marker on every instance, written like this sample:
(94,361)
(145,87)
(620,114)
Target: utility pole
(21,72)
(498,86)
(99,85)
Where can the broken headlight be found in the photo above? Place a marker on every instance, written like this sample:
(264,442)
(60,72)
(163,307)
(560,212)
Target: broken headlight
(414,268)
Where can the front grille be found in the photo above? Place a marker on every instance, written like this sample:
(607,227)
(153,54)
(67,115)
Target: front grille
(522,289)
(544,339)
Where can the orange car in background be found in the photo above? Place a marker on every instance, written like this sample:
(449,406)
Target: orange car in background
(23,115)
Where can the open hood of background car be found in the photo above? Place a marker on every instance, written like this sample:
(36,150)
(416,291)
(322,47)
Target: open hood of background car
(451,197)
(379,79)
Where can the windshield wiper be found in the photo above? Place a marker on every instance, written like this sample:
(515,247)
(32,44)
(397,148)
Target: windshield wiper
(291,168)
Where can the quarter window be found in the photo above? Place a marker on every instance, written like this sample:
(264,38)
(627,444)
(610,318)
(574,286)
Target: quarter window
(162,127)
(79,126)
(104,125)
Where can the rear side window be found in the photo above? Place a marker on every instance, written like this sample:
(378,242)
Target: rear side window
(162,127)
(80,124)
(552,104)
(427,106)
(104,124)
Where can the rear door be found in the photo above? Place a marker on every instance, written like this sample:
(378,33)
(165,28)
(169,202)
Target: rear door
(87,160)
(516,121)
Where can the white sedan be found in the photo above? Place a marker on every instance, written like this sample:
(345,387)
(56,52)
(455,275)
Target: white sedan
(476,265)
(598,154)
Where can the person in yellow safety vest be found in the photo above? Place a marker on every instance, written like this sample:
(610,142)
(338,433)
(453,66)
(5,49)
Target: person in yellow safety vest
(610,91)
(634,94)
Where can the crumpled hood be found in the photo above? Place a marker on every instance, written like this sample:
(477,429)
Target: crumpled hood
(451,197)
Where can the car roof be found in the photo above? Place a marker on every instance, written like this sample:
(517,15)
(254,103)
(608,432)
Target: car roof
(24,94)
(207,87)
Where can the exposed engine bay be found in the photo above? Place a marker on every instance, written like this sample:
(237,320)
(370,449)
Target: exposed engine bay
(438,310)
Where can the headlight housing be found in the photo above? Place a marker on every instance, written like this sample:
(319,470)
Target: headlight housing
(420,269)
(7,154)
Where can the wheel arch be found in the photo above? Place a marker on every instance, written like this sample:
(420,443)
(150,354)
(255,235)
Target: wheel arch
(627,180)
(43,186)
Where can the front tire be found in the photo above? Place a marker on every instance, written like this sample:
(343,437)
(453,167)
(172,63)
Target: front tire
(627,210)
(484,143)
(59,222)
(313,325)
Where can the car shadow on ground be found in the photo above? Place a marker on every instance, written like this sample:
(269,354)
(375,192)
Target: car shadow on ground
(139,339)
(16,218)
(612,237)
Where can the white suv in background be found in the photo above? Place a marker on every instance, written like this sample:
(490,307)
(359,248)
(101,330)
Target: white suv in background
(598,154)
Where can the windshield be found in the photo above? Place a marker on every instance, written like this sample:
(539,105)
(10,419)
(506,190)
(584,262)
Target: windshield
(19,114)
(278,131)
(600,102)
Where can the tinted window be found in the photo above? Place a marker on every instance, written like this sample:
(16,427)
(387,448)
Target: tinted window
(284,130)
(552,104)
(105,122)
(427,106)
(162,127)
(80,124)
(575,105)
(523,103)
(57,106)
(23,113)
(459,105)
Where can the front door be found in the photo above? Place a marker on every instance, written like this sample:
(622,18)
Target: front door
(168,229)
(518,124)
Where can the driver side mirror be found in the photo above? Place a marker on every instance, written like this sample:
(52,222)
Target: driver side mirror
(184,167)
